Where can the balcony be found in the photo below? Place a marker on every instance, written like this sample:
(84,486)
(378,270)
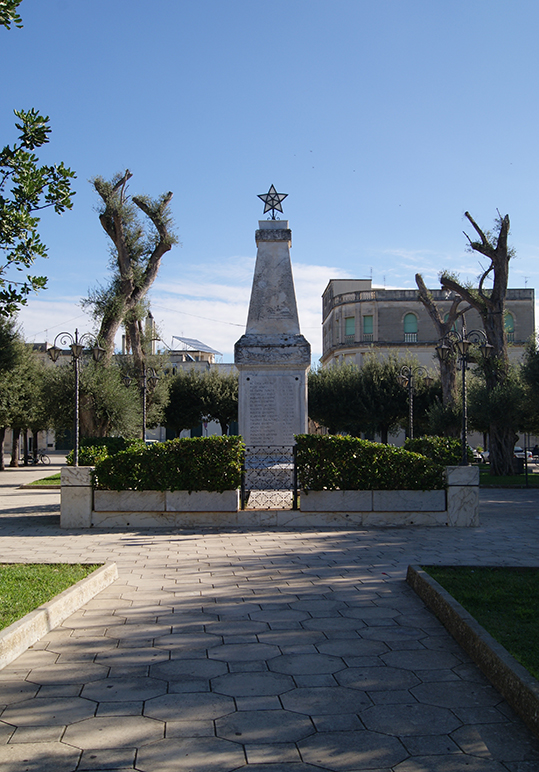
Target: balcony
(410,337)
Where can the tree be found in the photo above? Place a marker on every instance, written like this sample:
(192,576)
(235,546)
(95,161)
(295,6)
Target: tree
(185,408)
(107,407)
(136,257)
(26,188)
(219,394)
(334,399)
(448,367)
(530,378)
(8,13)
(490,304)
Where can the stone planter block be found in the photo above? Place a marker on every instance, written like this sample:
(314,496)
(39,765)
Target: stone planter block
(129,501)
(462,475)
(202,501)
(336,501)
(408,501)
(76,475)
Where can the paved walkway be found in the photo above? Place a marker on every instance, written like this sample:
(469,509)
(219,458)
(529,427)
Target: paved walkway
(261,651)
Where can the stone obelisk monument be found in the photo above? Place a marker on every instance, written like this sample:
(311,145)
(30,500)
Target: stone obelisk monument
(273,358)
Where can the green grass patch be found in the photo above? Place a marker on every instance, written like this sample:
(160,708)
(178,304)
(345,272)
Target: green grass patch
(53,480)
(505,601)
(25,586)
(487,480)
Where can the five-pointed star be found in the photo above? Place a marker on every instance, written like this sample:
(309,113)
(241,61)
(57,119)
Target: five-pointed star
(272,199)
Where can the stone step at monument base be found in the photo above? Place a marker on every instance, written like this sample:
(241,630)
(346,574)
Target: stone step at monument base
(269,499)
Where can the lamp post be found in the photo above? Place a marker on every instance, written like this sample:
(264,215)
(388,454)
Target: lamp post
(461,342)
(148,377)
(407,379)
(77,345)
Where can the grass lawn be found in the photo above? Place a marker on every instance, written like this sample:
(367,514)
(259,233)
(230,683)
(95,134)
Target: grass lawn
(53,481)
(25,586)
(504,601)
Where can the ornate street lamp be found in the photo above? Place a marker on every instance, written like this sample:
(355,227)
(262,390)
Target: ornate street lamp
(460,343)
(77,346)
(150,378)
(407,378)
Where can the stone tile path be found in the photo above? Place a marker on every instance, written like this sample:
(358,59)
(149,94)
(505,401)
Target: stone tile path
(264,651)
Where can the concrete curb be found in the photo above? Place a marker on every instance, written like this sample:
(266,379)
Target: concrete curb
(509,677)
(26,631)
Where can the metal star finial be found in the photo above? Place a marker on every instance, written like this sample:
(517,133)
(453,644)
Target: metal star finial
(272,201)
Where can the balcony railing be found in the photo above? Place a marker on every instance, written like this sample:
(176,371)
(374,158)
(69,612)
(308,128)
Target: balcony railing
(410,337)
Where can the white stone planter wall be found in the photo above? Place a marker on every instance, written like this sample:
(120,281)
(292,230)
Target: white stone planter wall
(82,507)
(458,506)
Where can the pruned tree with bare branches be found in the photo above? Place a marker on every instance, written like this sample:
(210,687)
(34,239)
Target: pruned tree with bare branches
(448,367)
(136,254)
(490,304)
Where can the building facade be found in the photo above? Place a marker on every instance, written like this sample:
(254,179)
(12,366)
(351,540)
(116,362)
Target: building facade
(359,320)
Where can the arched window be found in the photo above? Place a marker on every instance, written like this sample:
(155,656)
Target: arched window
(509,324)
(410,328)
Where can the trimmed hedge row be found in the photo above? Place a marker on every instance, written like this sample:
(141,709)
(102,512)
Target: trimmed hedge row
(346,463)
(191,464)
(446,451)
(96,449)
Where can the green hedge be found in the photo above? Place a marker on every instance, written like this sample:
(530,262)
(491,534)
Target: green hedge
(94,449)
(347,463)
(446,451)
(192,464)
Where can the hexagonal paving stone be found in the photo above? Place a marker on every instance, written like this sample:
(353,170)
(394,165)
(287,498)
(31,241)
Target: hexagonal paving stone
(421,659)
(263,726)
(306,664)
(411,719)
(145,655)
(508,742)
(114,732)
(188,641)
(124,689)
(352,647)
(201,754)
(370,613)
(285,615)
(352,751)
(16,691)
(287,767)
(334,623)
(68,674)
(243,652)
(136,632)
(42,711)
(455,763)
(456,694)
(236,627)
(38,757)
(252,684)
(188,707)
(325,700)
(372,679)
(392,633)
(174,669)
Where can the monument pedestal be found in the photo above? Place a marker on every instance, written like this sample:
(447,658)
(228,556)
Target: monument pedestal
(273,358)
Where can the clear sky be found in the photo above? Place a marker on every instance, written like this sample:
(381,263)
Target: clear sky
(383,121)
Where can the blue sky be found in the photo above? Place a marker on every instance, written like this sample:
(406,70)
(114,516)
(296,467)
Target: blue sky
(383,121)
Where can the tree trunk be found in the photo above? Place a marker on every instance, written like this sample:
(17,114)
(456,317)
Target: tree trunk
(15,447)
(2,438)
(501,450)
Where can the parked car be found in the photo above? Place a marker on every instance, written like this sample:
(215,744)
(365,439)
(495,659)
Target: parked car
(519,453)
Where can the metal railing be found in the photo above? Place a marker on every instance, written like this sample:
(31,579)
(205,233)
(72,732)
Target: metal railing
(269,477)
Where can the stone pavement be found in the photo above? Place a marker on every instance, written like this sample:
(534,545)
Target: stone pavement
(261,651)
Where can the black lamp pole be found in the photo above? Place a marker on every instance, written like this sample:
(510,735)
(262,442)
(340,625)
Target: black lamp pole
(406,379)
(461,342)
(77,346)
